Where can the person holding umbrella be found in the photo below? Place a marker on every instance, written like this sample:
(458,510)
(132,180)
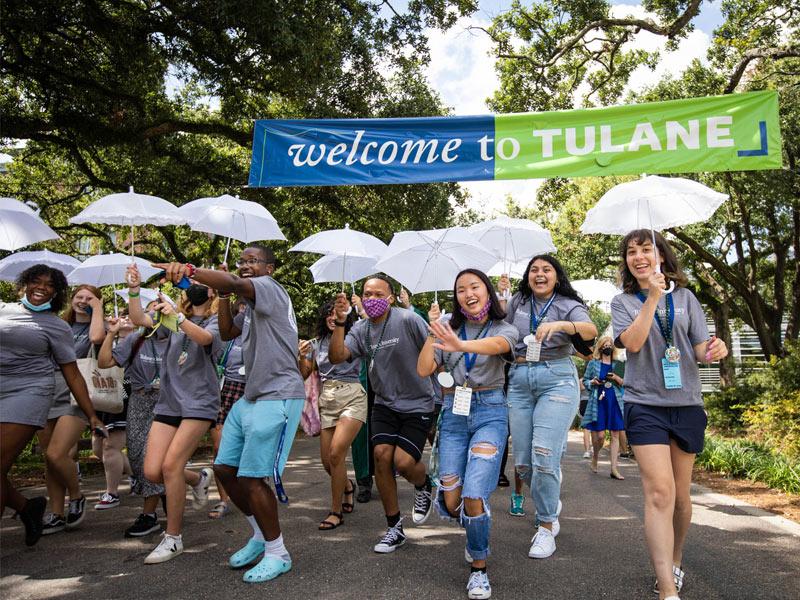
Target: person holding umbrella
(543,391)
(665,336)
(34,338)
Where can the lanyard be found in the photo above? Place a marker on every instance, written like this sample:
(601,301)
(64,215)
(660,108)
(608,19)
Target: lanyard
(374,350)
(156,362)
(664,327)
(536,320)
(469,359)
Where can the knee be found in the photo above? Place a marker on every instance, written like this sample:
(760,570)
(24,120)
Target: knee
(226,474)
(483,450)
(153,473)
(172,468)
(661,497)
(383,455)
(683,503)
(404,466)
(52,456)
(544,459)
(249,484)
(336,457)
(474,507)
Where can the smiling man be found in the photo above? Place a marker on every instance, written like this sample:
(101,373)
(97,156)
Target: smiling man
(260,427)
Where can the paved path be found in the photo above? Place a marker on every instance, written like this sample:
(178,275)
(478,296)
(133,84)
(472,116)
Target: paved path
(734,551)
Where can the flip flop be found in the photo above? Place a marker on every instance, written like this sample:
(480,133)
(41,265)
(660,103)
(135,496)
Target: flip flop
(326,525)
(347,507)
(269,568)
(220,510)
(252,551)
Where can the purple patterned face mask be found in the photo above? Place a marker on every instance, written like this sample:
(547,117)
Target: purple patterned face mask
(375,307)
(482,313)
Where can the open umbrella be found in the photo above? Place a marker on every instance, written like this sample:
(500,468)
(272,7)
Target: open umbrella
(130,209)
(108,269)
(14,264)
(231,217)
(596,290)
(20,228)
(513,240)
(337,267)
(147,295)
(654,203)
(428,261)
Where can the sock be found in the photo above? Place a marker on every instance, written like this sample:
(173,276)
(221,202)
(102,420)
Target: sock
(276,548)
(257,535)
(177,538)
(478,569)
(393,520)
(152,515)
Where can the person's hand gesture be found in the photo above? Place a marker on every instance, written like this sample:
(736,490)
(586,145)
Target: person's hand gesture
(222,267)
(656,285)
(405,300)
(96,304)
(305,348)
(434,314)
(341,307)
(504,285)
(546,330)
(448,341)
(173,271)
(716,350)
(133,277)
(164,306)
(113,325)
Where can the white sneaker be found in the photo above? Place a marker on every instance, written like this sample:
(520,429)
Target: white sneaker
(672,598)
(200,491)
(587,454)
(556,528)
(170,547)
(543,544)
(478,587)
(391,540)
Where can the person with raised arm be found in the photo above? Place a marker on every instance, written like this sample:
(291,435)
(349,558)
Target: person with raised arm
(261,425)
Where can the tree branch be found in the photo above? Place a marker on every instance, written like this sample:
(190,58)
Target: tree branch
(754,54)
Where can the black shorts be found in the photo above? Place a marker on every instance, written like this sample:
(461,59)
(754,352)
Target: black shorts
(408,431)
(646,424)
(175,421)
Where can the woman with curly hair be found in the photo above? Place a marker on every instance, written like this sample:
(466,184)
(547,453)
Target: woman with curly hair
(34,338)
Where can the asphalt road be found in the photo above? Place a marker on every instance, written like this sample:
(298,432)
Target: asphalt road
(734,551)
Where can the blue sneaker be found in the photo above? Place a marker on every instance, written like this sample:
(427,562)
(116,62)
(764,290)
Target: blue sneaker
(252,551)
(269,568)
(517,502)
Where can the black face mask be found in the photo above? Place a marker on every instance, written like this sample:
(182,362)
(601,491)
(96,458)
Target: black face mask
(606,351)
(197,294)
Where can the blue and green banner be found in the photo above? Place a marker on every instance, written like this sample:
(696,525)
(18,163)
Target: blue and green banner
(736,132)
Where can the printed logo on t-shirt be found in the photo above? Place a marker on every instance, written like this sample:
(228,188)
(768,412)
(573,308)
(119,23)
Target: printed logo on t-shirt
(386,343)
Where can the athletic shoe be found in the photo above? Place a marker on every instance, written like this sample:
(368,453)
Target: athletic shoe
(478,586)
(170,547)
(53,524)
(588,454)
(142,526)
(31,517)
(677,576)
(392,539)
(543,544)
(517,503)
(200,491)
(364,489)
(133,482)
(76,512)
(423,503)
(107,501)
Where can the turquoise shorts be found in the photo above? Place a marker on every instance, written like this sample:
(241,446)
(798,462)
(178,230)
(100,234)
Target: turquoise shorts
(254,439)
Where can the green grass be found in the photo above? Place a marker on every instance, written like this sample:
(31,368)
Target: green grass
(746,459)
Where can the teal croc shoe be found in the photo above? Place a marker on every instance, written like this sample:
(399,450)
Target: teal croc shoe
(269,568)
(251,552)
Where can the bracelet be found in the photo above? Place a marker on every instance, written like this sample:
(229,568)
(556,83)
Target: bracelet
(224,296)
(181,318)
(340,323)
(192,270)
(575,327)
(133,294)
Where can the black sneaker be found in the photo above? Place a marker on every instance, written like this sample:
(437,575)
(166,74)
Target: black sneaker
(31,516)
(53,524)
(76,512)
(144,525)
(364,490)
(423,503)
(391,540)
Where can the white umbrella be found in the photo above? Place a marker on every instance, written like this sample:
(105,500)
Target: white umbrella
(596,290)
(513,240)
(108,269)
(147,295)
(20,228)
(337,267)
(654,203)
(14,204)
(130,209)
(346,243)
(514,269)
(231,217)
(14,264)
(425,261)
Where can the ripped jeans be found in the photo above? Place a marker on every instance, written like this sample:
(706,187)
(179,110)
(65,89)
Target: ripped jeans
(543,399)
(470,453)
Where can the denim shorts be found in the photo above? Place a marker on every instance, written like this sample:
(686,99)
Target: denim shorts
(648,424)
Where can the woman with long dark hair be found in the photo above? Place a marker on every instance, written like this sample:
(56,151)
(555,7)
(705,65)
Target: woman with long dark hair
(665,336)
(34,338)
(342,410)
(543,391)
(474,418)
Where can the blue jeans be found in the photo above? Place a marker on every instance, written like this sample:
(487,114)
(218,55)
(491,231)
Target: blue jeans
(543,398)
(476,473)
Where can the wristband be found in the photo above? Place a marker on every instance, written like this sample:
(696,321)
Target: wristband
(224,296)
(133,294)
(181,318)
(192,270)
(340,323)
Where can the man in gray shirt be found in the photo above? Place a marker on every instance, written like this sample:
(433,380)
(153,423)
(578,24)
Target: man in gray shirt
(389,341)
(260,427)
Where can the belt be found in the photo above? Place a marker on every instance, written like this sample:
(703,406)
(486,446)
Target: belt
(475,389)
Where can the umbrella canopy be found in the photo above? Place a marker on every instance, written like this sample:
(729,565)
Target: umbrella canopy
(11,266)
(147,295)
(232,217)
(108,269)
(342,241)
(14,204)
(512,269)
(20,228)
(425,261)
(337,267)
(596,290)
(130,208)
(513,240)
(652,202)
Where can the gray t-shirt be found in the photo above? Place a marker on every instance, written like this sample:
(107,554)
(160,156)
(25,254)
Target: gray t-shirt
(345,371)
(146,364)
(193,383)
(80,336)
(488,371)
(31,341)
(393,376)
(235,360)
(644,380)
(269,344)
(518,313)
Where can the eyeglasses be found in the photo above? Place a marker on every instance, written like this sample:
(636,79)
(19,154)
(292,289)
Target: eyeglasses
(250,262)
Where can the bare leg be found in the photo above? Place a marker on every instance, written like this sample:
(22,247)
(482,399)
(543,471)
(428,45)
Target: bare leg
(384,478)
(180,450)
(342,436)
(412,470)
(61,467)
(615,454)
(264,506)
(598,440)
(216,436)
(113,459)
(682,464)
(13,439)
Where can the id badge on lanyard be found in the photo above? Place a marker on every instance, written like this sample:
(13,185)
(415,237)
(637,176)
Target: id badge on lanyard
(462,400)
(670,364)
(533,350)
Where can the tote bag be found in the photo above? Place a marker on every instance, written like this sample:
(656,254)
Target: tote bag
(105,385)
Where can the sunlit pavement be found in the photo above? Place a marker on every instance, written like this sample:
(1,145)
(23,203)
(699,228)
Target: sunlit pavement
(734,551)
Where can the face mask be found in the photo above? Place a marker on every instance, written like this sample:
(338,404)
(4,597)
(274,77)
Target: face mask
(606,351)
(375,307)
(41,308)
(197,294)
(482,313)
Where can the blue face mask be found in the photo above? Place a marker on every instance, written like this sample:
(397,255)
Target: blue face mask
(42,307)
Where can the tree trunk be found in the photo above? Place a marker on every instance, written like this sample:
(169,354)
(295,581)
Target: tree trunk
(720,313)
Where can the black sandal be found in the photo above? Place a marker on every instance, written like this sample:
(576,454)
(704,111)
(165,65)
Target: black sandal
(326,525)
(347,507)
